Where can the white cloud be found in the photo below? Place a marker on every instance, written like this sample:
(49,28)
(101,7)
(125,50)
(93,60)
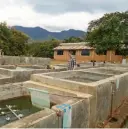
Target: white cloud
(16,12)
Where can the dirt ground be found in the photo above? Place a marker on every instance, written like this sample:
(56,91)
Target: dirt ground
(119,117)
(55,62)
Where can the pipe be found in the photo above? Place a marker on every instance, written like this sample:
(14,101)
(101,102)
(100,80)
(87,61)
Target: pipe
(114,112)
(13,112)
(111,102)
(110,56)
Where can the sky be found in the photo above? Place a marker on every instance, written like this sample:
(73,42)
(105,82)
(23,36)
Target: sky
(57,15)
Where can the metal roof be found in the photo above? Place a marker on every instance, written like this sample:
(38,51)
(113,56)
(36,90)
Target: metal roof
(72,44)
(73,47)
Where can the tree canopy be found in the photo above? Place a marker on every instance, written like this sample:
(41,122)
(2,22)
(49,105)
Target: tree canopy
(73,40)
(16,43)
(109,32)
(12,42)
(43,49)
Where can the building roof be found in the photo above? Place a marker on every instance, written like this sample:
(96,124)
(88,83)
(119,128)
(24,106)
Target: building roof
(76,44)
(73,46)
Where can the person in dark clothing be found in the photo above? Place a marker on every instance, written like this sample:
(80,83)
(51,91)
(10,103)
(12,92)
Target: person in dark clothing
(71,62)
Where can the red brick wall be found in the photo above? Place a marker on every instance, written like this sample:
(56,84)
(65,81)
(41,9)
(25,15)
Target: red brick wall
(63,57)
(110,56)
(80,57)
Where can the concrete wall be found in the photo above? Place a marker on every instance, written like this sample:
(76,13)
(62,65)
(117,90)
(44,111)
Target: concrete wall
(61,83)
(12,75)
(56,79)
(105,70)
(82,104)
(5,72)
(14,60)
(56,94)
(43,119)
(47,118)
(6,80)
(25,75)
(78,74)
(88,111)
(101,90)
(9,91)
(80,113)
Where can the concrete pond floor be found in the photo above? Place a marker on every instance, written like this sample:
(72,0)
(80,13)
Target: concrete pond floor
(87,77)
(80,76)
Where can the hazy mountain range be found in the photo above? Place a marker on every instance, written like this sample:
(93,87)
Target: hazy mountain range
(38,33)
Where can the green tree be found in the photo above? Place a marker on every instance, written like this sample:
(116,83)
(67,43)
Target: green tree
(18,43)
(109,32)
(5,35)
(44,49)
(73,40)
(12,42)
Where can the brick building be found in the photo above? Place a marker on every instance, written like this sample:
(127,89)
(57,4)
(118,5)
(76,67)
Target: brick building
(82,52)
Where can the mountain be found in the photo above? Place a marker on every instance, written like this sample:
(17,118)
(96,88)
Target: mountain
(38,33)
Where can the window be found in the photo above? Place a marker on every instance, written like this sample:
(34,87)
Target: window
(73,52)
(60,52)
(118,52)
(105,53)
(85,52)
(101,52)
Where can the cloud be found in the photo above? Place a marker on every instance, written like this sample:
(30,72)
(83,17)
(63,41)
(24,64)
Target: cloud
(57,15)
(91,6)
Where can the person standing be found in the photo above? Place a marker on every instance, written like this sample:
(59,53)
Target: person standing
(72,61)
